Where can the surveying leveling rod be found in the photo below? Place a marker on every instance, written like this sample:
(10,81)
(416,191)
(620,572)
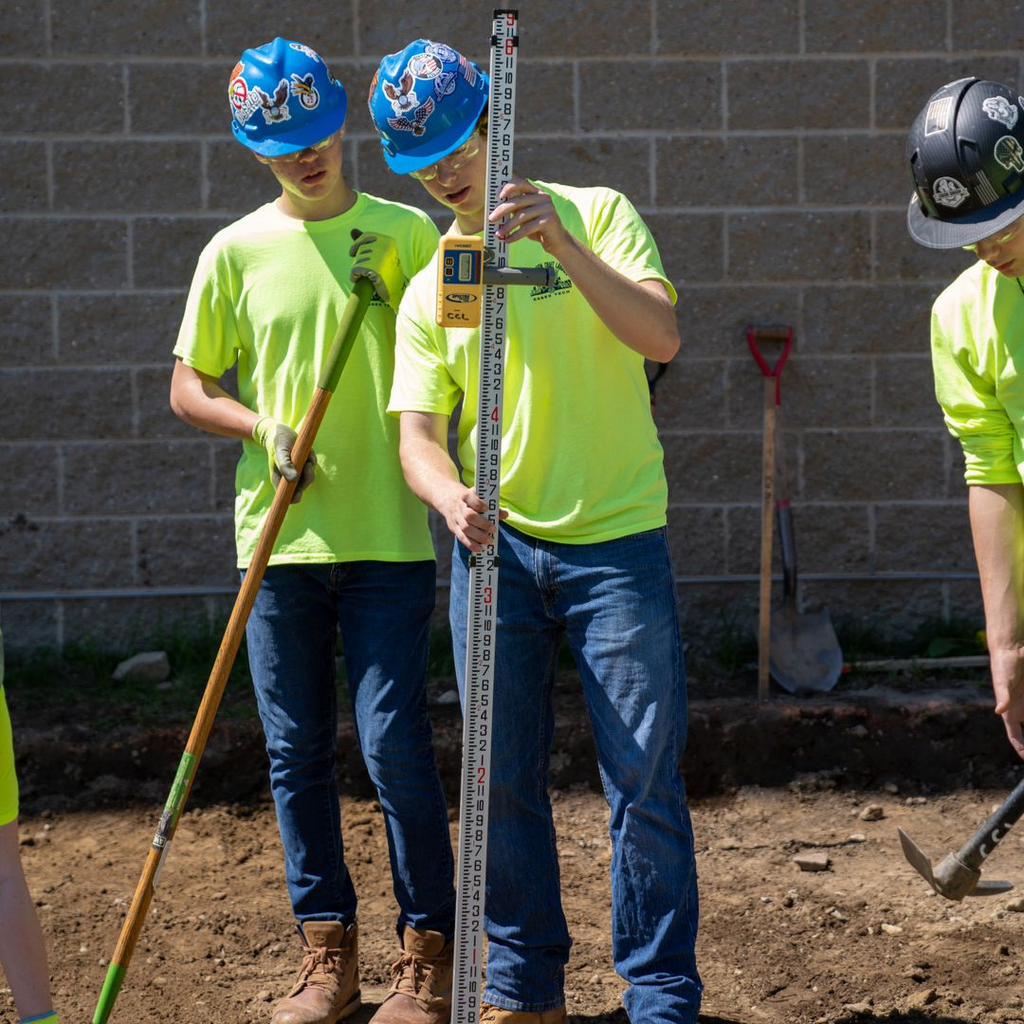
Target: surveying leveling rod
(467,980)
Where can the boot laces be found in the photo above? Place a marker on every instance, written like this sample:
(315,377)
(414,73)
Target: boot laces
(410,972)
(321,965)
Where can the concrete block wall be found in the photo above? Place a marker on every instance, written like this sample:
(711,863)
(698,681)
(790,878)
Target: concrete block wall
(763,141)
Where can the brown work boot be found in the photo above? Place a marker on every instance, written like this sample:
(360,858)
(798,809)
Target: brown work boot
(327,986)
(421,985)
(496,1015)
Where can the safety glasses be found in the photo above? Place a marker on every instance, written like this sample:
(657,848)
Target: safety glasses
(290,158)
(453,161)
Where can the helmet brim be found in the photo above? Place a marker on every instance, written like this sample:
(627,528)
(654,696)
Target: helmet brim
(436,149)
(934,233)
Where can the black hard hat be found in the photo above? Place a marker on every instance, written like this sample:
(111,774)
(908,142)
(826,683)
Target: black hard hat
(966,157)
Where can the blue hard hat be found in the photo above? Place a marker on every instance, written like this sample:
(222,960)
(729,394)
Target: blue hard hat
(284,99)
(425,101)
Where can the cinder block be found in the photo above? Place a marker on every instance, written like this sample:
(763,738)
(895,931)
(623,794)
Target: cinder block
(872,465)
(828,538)
(870,318)
(329,29)
(236,182)
(71,404)
(26,330)
(29,473)
(718,621)
(129,328)
(905,392)
(371,174)
(903,85)
(56,105)
(799,246)
(70,253)
(138,478)
(688,27)
(988,25)
(187,551)
(873,26)
(90,176)
(49,554)
(166,249)
(954,486)
(696,537)
(899,257)
(154,418)
(713,319)
(815,392)
(23,29)
(612,91)
(708,467)
(24,185)
(131,624)
(691,245)
(544,98)
(198,97)
(622,164)
(29,626)
(798,94)
(933,538)
(144,27)
(723,171)
(690,395)
(856,170)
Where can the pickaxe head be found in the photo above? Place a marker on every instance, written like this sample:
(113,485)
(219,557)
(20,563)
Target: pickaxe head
(951,878)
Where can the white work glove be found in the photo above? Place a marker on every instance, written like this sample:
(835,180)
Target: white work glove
(279,440)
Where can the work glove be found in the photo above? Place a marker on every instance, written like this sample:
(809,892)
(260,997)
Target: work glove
(376,258)
(279,440)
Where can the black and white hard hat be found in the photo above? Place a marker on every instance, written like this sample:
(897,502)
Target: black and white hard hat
(966,157)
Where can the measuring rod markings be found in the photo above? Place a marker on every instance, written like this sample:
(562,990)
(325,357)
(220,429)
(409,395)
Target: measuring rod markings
(483,567)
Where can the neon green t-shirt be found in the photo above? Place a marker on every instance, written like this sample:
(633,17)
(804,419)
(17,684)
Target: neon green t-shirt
(8,779)
(268,294)
(581,461)
(977,349)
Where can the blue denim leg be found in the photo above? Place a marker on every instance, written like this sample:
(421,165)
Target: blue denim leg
(291,637)
(528,941)
(383,610)
(618,600)
(384,614)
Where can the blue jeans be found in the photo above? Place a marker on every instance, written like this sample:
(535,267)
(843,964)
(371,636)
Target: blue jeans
(616,604)
(383,610)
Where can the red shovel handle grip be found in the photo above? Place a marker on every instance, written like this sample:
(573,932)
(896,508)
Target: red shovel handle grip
(783,334)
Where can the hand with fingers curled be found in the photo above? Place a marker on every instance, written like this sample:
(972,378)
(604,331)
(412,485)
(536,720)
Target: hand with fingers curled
(464,512)
(531,214)
(376,259)
(279,440)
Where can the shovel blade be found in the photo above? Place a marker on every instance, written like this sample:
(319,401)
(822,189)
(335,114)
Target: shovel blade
(805,656)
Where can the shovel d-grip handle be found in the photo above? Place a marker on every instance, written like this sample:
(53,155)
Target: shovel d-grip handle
(770,333)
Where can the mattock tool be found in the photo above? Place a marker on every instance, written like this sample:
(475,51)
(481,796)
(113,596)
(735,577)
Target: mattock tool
(472,274)
(959,874)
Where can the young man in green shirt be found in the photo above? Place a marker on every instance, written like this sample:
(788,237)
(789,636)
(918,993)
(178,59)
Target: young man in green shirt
(966,157)
(355,554)
(583,546)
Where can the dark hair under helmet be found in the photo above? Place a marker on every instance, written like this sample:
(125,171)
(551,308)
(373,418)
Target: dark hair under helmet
(966,158)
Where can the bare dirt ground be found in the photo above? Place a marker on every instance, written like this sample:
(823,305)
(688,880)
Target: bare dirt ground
(865,939)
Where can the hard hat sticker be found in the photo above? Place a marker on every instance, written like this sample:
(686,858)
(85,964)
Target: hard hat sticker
(999,108)
(1009,153)
(949,192)
(304,90)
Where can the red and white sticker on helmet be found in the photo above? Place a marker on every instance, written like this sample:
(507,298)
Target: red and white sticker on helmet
(1000,109)
(949,192)
(937,118)
(404,98)
(425,65)
(416,122)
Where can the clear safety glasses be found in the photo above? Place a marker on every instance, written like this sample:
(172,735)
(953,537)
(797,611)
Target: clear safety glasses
(453,161)
(290,158)
(1001,240)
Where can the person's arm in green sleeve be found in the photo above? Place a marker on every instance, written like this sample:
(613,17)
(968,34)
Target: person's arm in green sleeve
(997,526)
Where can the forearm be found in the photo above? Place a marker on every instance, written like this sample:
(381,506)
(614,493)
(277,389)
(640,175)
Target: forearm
(199,400)
(997,522)
(638,313)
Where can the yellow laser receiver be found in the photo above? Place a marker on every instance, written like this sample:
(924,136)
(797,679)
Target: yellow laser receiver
(460,280)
